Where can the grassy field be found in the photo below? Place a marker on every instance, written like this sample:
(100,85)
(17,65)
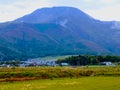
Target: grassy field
(60,78)
(84,83)
(53,57)
(32,73)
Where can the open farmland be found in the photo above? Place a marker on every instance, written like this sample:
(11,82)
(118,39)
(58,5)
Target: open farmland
(84,83)
(35,73)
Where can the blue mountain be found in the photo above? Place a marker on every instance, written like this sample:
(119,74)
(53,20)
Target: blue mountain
(58,31)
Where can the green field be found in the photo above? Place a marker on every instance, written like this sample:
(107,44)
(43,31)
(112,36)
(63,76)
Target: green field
(60,78)
(53,57)
(35,73)
(84,83)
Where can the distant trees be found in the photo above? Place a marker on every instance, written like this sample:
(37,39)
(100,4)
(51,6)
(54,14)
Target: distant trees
(89,60)
(12,62)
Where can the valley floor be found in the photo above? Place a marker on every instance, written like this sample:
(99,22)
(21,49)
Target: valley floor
(83,83)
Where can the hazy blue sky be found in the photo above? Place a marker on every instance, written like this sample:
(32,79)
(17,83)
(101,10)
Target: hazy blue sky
(99,9)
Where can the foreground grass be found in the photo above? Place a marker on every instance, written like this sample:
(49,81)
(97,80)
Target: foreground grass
(84,83)
(32,73)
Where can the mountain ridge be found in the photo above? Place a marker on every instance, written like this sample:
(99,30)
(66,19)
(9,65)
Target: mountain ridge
(59,31)
(47,11)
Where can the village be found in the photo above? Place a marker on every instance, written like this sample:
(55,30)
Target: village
(28,63)
(36,62)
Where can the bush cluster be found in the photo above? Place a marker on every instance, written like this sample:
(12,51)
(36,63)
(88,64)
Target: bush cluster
(55,72)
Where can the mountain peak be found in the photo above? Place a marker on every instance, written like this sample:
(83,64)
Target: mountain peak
(58,31)
(52,14)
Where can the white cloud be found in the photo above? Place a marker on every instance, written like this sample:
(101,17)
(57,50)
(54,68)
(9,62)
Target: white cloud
(109,13)
(100,9)
(18,9)
(108,1)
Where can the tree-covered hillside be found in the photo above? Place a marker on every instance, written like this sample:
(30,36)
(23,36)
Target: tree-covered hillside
(58,31)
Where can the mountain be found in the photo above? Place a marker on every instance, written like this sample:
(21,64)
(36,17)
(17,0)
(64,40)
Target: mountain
(58,31)
(55,15)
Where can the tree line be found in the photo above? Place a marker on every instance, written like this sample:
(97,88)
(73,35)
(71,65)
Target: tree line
(88,60)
